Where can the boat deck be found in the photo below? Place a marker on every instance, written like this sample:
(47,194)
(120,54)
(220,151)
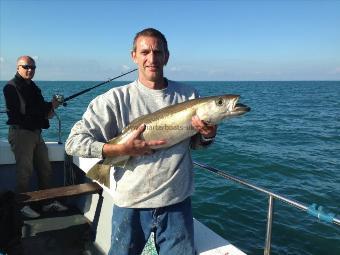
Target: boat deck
(70,233)
(66,233)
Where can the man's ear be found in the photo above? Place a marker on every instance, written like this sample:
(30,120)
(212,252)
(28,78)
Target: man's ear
(167,55)
(133,56)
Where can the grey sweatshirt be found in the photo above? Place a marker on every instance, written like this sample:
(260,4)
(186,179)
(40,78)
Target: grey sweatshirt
(151,181)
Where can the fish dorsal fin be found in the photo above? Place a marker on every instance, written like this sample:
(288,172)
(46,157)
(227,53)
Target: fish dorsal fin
(125,129)
(114,140)
(161,113)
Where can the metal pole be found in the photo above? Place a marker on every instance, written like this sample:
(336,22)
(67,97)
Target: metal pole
(247,184)
(269,226)
(59,128)
(321,215)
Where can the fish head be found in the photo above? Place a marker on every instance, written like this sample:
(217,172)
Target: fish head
(216,108)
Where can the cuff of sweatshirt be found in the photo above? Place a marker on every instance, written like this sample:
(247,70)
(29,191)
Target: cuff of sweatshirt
(97,149)
(206,141)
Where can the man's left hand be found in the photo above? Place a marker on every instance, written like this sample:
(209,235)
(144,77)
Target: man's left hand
(208,131)
(55,103)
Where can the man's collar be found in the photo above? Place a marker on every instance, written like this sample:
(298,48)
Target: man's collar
(20,79)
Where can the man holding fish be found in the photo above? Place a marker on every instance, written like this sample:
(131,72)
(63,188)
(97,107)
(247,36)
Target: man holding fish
(148,145)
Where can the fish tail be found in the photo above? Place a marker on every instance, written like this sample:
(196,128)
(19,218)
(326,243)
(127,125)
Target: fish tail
(101,173)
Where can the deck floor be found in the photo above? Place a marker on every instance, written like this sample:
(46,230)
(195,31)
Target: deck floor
(70,233)
(61,233)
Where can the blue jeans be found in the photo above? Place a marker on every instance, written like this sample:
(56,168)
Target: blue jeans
(172,226)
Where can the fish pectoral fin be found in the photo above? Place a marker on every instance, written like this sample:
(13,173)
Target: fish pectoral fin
(101,173)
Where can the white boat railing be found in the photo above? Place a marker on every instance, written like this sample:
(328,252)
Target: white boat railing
(314,210)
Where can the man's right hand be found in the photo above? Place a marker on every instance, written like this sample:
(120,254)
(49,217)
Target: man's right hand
(135,146)
(55,103)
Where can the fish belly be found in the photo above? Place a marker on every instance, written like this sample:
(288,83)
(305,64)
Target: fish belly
(172,131)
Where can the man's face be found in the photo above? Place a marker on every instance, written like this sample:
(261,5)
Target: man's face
(150,56)
(26,68)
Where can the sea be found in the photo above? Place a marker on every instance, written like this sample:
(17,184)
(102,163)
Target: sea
(289,144)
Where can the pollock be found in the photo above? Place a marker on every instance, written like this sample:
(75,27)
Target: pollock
(173,124)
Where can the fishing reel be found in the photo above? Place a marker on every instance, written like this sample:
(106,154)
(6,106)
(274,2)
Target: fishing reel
(60,98)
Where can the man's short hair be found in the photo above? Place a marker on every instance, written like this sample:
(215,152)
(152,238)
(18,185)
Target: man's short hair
(28,57)
(151,32)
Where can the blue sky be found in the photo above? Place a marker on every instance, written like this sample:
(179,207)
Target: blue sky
(208,40)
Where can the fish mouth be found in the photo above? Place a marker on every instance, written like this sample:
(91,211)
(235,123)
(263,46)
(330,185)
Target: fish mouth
(241,109)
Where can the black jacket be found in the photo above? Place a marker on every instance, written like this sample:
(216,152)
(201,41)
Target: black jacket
(36,109)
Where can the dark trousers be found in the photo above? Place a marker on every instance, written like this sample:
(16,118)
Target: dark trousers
(30,153)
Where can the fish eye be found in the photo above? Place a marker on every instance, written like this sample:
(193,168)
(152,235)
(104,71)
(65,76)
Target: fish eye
(219,101)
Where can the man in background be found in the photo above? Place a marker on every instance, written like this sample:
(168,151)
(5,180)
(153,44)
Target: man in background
(28,114)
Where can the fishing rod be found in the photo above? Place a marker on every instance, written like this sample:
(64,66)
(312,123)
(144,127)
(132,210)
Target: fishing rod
(63,100)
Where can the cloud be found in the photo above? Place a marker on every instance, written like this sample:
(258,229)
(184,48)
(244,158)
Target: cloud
(334,71)
(180,68)
(216,71)
(176,69)
(2,60)
(126,67)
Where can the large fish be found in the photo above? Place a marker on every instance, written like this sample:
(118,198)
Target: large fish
(173,124)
